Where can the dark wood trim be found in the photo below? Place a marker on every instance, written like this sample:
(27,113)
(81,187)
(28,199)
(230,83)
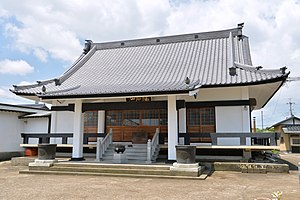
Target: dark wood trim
(49,124)
(137,105)
(250,102)
(69,107)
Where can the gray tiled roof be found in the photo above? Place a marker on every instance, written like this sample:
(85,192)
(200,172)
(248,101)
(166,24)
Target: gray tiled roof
(158,65)
(288,121)
(292,129)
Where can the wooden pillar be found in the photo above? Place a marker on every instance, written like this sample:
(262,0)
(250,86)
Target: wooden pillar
(172,128)
(77,152)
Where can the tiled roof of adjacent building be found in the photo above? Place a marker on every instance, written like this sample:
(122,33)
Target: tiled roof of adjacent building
(25,108)
(157,66)
(292,120)
(292,129)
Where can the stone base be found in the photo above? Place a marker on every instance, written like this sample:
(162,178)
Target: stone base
(119,158)
(8,155)
(179,169)
(42,163)
(251,167)
(77,159)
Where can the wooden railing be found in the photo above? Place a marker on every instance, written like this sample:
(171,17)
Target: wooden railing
(103,144)
(258,138)
(263,138)
(45,137)
(152,146)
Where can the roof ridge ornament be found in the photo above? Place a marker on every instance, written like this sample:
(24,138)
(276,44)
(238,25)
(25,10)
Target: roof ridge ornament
(282,69)
(87,46)
(240,32)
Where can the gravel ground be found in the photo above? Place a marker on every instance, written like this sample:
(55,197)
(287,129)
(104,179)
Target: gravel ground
(221,185)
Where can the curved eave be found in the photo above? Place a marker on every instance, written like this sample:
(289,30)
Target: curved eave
(281,78)
(285,77)
(149,93)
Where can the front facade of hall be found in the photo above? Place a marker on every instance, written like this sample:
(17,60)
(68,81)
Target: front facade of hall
(197,83)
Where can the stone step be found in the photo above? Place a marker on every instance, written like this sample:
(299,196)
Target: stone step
(103,165)
(105,174)
(136,150)
(137,146)
(105,170)
(141,158)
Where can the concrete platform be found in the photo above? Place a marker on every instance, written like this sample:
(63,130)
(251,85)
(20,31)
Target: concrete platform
(117,170)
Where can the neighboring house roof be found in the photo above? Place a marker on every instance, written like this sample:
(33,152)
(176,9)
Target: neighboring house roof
(157,66)
(36,115)
(288,121)
(27,109)
(291,129)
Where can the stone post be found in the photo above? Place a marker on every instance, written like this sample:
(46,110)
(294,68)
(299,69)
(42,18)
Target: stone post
(99,149)
(149,152)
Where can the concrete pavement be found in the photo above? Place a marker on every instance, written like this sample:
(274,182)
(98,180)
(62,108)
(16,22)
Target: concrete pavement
(221,185)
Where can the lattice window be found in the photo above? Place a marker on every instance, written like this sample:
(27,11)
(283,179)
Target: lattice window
(90,121)
(208,116)
(295,141)
(150,117)
(114,118)
(131,118)
(90,118)
(163,120)
(201,116)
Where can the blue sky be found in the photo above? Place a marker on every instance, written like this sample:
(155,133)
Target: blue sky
(40,39)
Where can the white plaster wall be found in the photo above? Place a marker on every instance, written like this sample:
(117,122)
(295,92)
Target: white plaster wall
(219,94)
(10,132)
(61,122)
(35,125)
(232,119)
(64,122)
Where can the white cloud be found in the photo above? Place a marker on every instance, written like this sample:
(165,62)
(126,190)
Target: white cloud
(54,29)
(41,54)
(58,26)
(15,67)
(26,83)
(8,97)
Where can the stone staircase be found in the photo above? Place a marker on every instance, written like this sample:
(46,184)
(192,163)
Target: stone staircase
(135,153)
(116,170)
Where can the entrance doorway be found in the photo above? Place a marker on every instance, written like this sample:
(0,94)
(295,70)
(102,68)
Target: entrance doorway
(125,123)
